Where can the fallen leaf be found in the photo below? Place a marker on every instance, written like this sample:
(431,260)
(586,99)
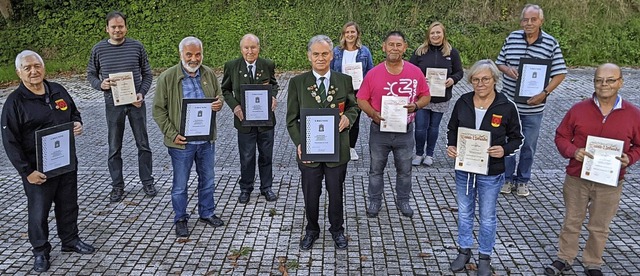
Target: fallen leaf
(424,255)
(131,219)
(471,267)
(363,258)
(183,240)
(130,203)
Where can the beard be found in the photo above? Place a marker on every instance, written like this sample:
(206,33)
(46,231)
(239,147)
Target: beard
(190,68)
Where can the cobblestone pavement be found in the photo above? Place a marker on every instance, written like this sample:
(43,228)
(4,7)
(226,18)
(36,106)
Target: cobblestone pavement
(136,236)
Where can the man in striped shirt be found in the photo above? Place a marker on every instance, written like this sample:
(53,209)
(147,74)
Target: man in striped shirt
(530,42)
(120,55)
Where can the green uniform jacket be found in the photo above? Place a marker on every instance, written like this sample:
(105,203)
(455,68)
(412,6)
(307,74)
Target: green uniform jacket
(167,102)
(236,74)
(299,96)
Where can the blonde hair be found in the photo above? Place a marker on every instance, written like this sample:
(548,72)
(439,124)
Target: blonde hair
(343,40)
(424,47)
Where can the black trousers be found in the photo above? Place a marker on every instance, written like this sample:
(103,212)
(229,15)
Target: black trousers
(354,131)
(63,191)
(312,189)
(247,143)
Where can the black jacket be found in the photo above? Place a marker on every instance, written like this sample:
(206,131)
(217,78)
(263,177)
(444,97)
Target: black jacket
(501,119)
(25,112)
(434,59)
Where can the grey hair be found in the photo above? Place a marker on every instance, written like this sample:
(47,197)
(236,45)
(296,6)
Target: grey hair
(481,65)
(250,36)
(532,6)
(189,40)
(319,38)
(26,53)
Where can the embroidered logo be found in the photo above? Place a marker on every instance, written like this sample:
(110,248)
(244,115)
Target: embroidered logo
(61,104)
(496,120)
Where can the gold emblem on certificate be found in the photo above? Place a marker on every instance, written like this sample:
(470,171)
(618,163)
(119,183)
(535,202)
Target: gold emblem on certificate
(472,150)
(123,88)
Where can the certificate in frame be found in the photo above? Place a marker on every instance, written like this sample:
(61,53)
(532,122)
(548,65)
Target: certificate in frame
(197,120)
(533,77)
(319,133)
(256,98)
(56,150)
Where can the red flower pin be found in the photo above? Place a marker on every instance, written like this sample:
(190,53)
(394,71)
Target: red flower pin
(61,104)
(496,120)
(341,107)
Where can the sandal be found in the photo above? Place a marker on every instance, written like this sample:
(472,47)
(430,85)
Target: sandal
(556,268)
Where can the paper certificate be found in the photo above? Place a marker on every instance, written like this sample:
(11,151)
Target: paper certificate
(56,150)
(472,150)
(437,78)
(604,168)
(355,71)
(123,88)
(320,135)
(533,79)
(257,105)
(394,114)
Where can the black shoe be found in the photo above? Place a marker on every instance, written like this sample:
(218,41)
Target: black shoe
(214,221)
(182,229)
(41,263)
(269,195)
(307,242)
(80,247)
(244,197)
(556,268)
(594,272)
(459,264)
(374,208)
(340,241)
(150,189)
(405,209)
(116,195)
(484,265)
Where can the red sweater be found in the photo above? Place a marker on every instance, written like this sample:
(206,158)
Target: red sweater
(585,118)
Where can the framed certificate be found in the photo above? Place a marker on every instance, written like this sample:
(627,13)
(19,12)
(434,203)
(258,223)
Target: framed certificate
(533,77)
(56,150)
(394,114)
(197,119)
(472,150)
(604,168)
(320,136)
(255,101)
(437,79)
(123,88)
(355,71)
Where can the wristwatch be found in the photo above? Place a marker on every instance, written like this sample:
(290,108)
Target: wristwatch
(546,93)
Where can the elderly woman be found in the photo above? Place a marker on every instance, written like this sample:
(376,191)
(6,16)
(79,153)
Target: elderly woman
(482,109)
(435,52)
(351,51)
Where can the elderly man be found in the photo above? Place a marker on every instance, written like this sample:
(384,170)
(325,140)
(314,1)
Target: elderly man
(530,42)
(322,88)
(393,77)
(188,80)
(34,105)
(604,115)
(251,69)
(119,54)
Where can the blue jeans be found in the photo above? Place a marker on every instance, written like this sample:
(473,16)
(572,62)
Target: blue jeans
(380,144)
(247,146)
(427,127)
(116,116)
(531,131)
(487,188)
(182,161)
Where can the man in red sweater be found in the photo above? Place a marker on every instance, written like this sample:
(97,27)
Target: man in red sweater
(604,115)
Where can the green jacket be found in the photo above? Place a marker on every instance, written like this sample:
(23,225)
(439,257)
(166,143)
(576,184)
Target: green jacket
(235,74)
(299,96)
(167,102)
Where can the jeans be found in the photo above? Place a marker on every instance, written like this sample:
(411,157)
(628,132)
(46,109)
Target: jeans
(182,161)
(531,131)
(487,188)
(427,128)
(115,124)
(247,145)
(380,144)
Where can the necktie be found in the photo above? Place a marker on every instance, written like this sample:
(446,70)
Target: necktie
(250,69)
(322,90)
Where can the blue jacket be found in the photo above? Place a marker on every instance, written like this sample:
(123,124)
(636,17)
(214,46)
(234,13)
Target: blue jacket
(363,55)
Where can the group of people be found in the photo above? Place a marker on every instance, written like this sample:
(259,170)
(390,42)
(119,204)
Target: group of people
(514,128)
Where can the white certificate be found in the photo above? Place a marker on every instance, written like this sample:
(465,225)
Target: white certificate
(355,71)
(123,88)
(437,78)
(55,151)
(394,114)
(604,168)
(320,134)
(197,119)
(472,148)
(533,79)
(257,105)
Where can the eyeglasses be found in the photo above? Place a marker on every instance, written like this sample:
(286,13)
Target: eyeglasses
(527,20)
(484,80)
(608,81)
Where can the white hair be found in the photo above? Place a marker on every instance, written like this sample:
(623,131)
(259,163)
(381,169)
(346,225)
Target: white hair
(189,40)
(250,36)
(319,38)
(532,6)
(26,53)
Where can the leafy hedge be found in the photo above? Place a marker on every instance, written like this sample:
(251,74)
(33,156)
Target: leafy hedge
(63,31)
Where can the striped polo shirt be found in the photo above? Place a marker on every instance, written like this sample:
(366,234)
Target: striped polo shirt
(516,47)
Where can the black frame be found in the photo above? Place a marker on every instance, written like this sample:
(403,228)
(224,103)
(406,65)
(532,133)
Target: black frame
(523,61)
(310,112)
(250,87)
(183,119)
(72,149)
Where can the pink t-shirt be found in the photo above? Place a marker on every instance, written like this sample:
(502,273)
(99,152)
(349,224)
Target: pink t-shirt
(378,82)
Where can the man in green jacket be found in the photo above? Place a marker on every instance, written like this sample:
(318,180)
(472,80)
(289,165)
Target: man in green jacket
(251,69)
(188,80)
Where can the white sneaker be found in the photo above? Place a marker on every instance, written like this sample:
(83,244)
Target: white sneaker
(506,188)
(522,190)
(417,160)
(428,160)
(354,154)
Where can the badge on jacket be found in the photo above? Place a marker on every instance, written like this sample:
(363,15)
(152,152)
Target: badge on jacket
(61,104)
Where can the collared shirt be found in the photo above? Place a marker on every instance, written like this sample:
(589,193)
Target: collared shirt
(191,89)
(326,79)
(616,105)
(253,68)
